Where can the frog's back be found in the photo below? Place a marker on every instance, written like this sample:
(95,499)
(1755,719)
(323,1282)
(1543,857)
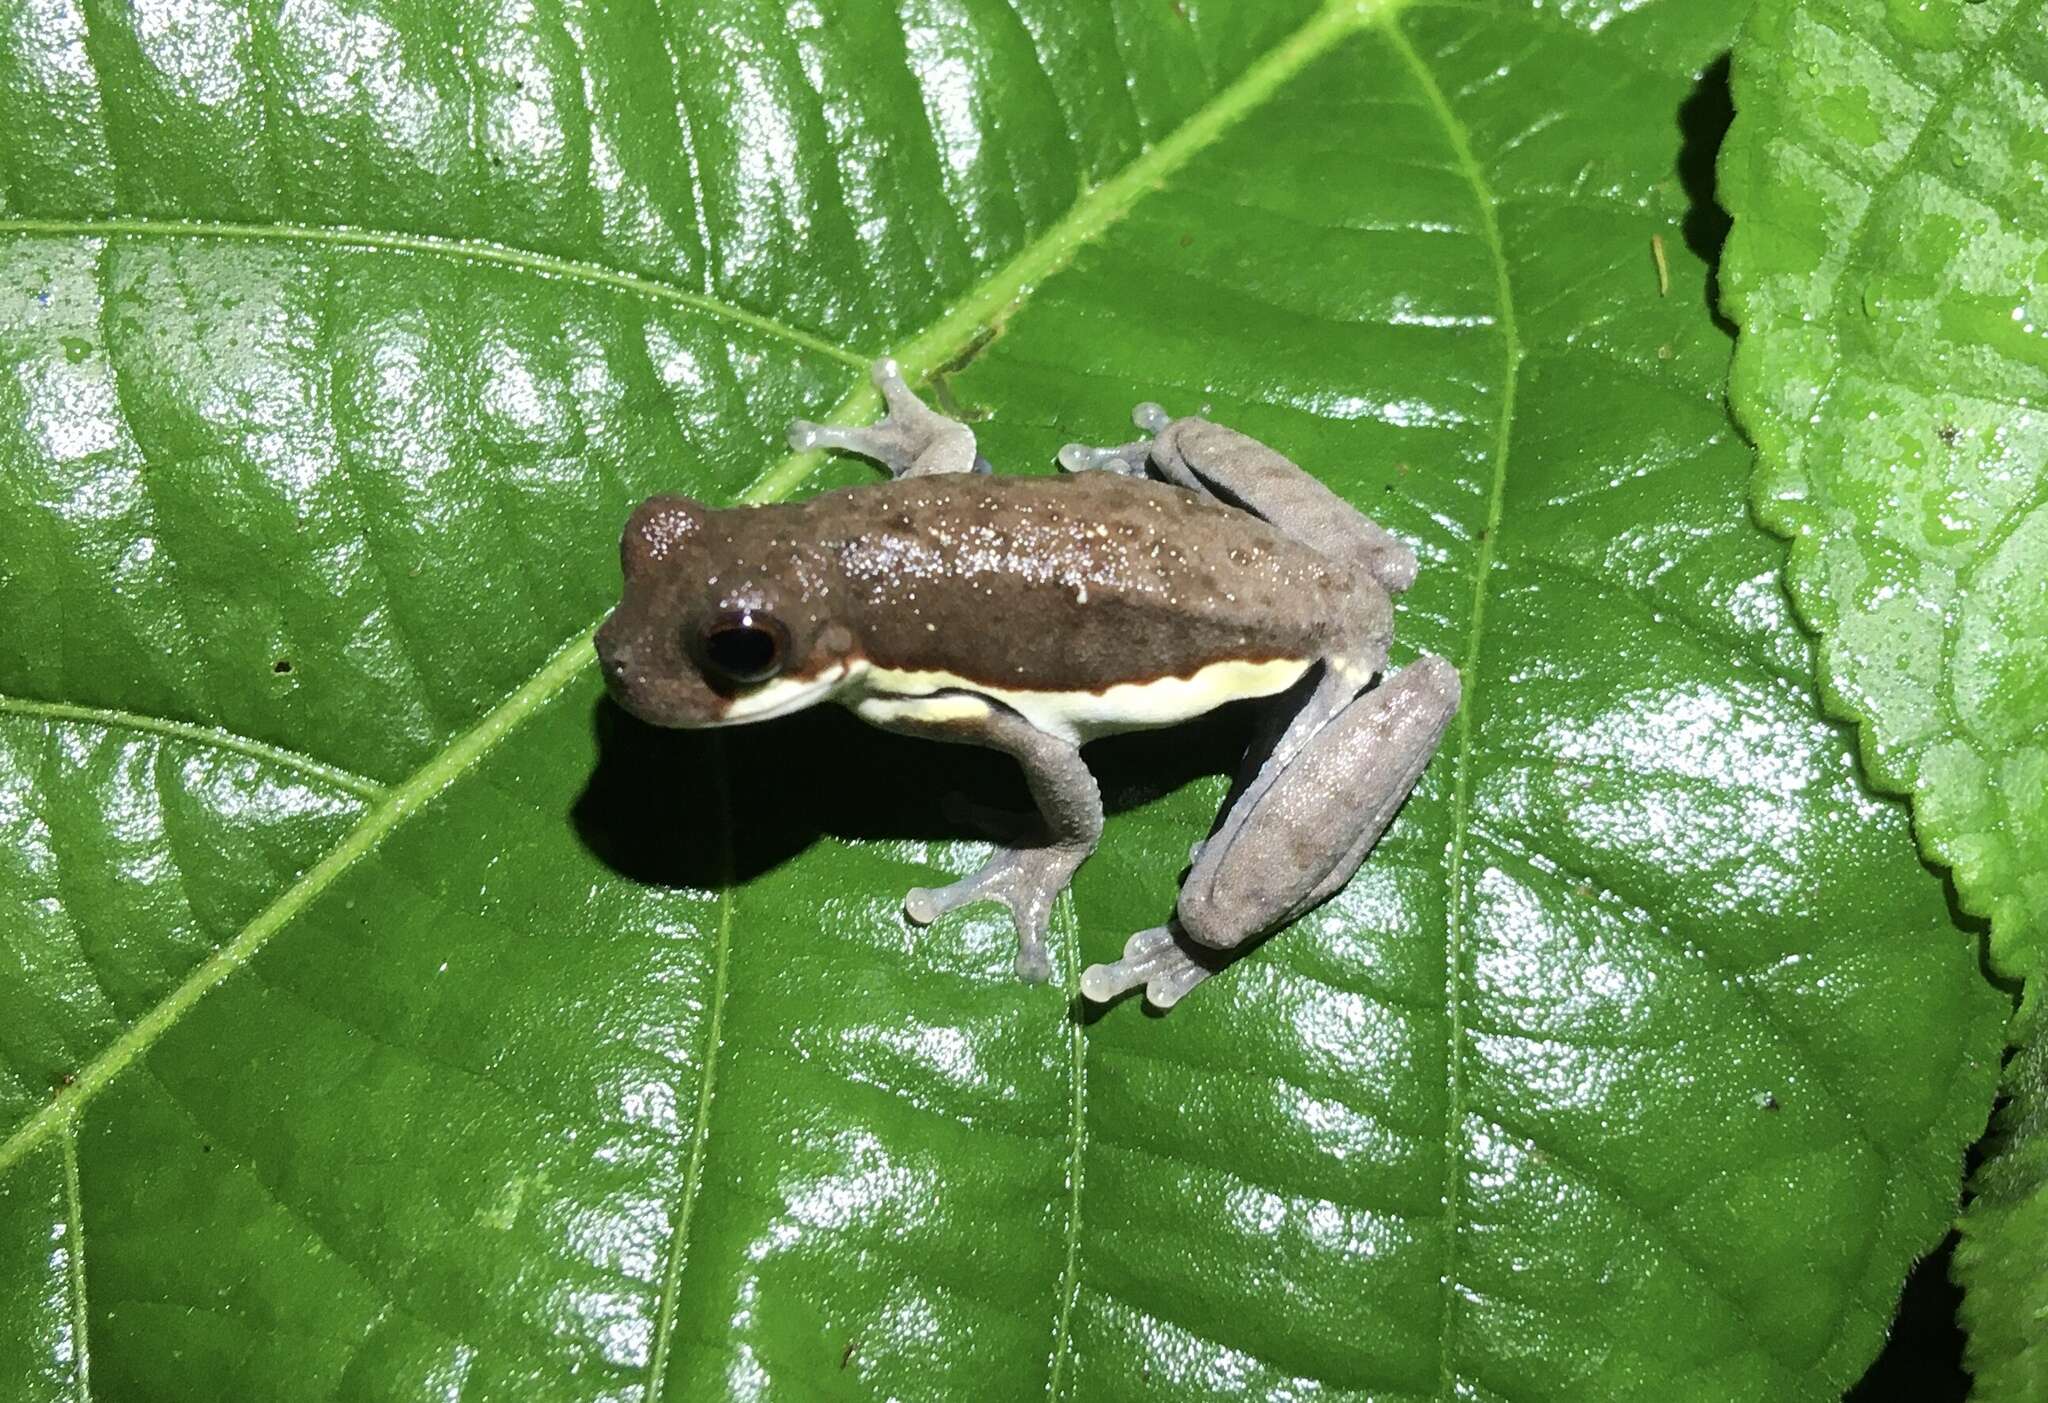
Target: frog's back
(1076,582)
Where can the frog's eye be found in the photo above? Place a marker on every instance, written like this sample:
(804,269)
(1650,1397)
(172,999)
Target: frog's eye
(744,647)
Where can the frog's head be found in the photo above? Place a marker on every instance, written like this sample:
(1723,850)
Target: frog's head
(718,623)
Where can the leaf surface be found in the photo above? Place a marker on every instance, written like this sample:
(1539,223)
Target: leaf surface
(1889,267)
(384,1016)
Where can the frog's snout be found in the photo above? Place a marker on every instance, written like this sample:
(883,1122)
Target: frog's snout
(615,660)
(645,677)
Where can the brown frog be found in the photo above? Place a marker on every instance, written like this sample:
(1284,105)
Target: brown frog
(1152,582)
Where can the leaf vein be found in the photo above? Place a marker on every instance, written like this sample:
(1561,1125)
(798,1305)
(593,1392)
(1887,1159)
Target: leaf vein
(1070,1275)
(1657,1223)
(1511,354)
(1737,979)
(212,737)
(543,265)
(388,813)
(74,1254)
(667,1302)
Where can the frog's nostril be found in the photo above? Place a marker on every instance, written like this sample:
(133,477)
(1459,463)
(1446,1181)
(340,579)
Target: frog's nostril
(614,654)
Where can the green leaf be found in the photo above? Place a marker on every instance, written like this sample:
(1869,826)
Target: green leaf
(1999,1259)
(1889,266)
(384,1016)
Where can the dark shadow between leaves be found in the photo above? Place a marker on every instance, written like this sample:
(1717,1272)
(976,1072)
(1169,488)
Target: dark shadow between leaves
(1923,1356)
(1703,120)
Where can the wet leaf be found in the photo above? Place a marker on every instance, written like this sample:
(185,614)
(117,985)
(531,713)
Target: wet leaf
(1889,267)
(384,1016)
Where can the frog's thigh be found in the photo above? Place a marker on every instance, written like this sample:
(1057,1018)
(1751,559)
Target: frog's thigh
(1301,829)
(1236,467)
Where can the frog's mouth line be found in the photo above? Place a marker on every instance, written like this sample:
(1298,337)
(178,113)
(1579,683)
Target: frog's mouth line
(782,695)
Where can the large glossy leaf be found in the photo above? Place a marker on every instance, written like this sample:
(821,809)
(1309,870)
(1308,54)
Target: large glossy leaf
(385,1017)
(1889,180)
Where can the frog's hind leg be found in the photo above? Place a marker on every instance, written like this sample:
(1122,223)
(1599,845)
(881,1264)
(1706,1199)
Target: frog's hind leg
(1326,792)
(1027,879)
(1233,467)
(911,440)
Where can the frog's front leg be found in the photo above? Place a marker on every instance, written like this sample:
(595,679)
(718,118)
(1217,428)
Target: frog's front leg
(1026,879)
(911,440)
(1298,832)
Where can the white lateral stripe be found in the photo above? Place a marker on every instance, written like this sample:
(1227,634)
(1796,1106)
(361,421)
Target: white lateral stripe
(782,695)
(947,706)
(1126,706)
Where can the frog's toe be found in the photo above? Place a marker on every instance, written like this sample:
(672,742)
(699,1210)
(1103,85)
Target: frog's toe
(1027,880)
(1152,958)
(1127,460)
(923,905)
(910,440)
(878,442)
(1165,989)
(1147,955)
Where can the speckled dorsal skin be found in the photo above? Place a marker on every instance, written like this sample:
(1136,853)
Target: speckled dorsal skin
(1073,583)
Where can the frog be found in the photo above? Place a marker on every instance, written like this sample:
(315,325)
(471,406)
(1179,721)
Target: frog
(1146,583)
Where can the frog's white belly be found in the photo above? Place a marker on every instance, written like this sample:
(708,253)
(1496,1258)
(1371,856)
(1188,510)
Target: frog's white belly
(886,694)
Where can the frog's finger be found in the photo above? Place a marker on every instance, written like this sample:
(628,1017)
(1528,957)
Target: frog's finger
(805,436)
(1165,989)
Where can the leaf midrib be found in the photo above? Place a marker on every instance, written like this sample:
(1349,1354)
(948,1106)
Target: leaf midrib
(952,332)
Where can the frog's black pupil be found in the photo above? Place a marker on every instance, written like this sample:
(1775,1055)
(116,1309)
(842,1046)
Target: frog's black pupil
(743,652)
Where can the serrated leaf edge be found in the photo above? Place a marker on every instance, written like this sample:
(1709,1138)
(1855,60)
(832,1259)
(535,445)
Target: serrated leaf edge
(1789,501)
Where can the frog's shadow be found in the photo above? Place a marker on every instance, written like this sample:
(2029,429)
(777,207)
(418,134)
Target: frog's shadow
(660,809)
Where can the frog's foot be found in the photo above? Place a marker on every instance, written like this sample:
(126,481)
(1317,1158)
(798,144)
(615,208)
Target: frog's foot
(1128,459)
(1027,880)
(912,439)
(1152,958)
